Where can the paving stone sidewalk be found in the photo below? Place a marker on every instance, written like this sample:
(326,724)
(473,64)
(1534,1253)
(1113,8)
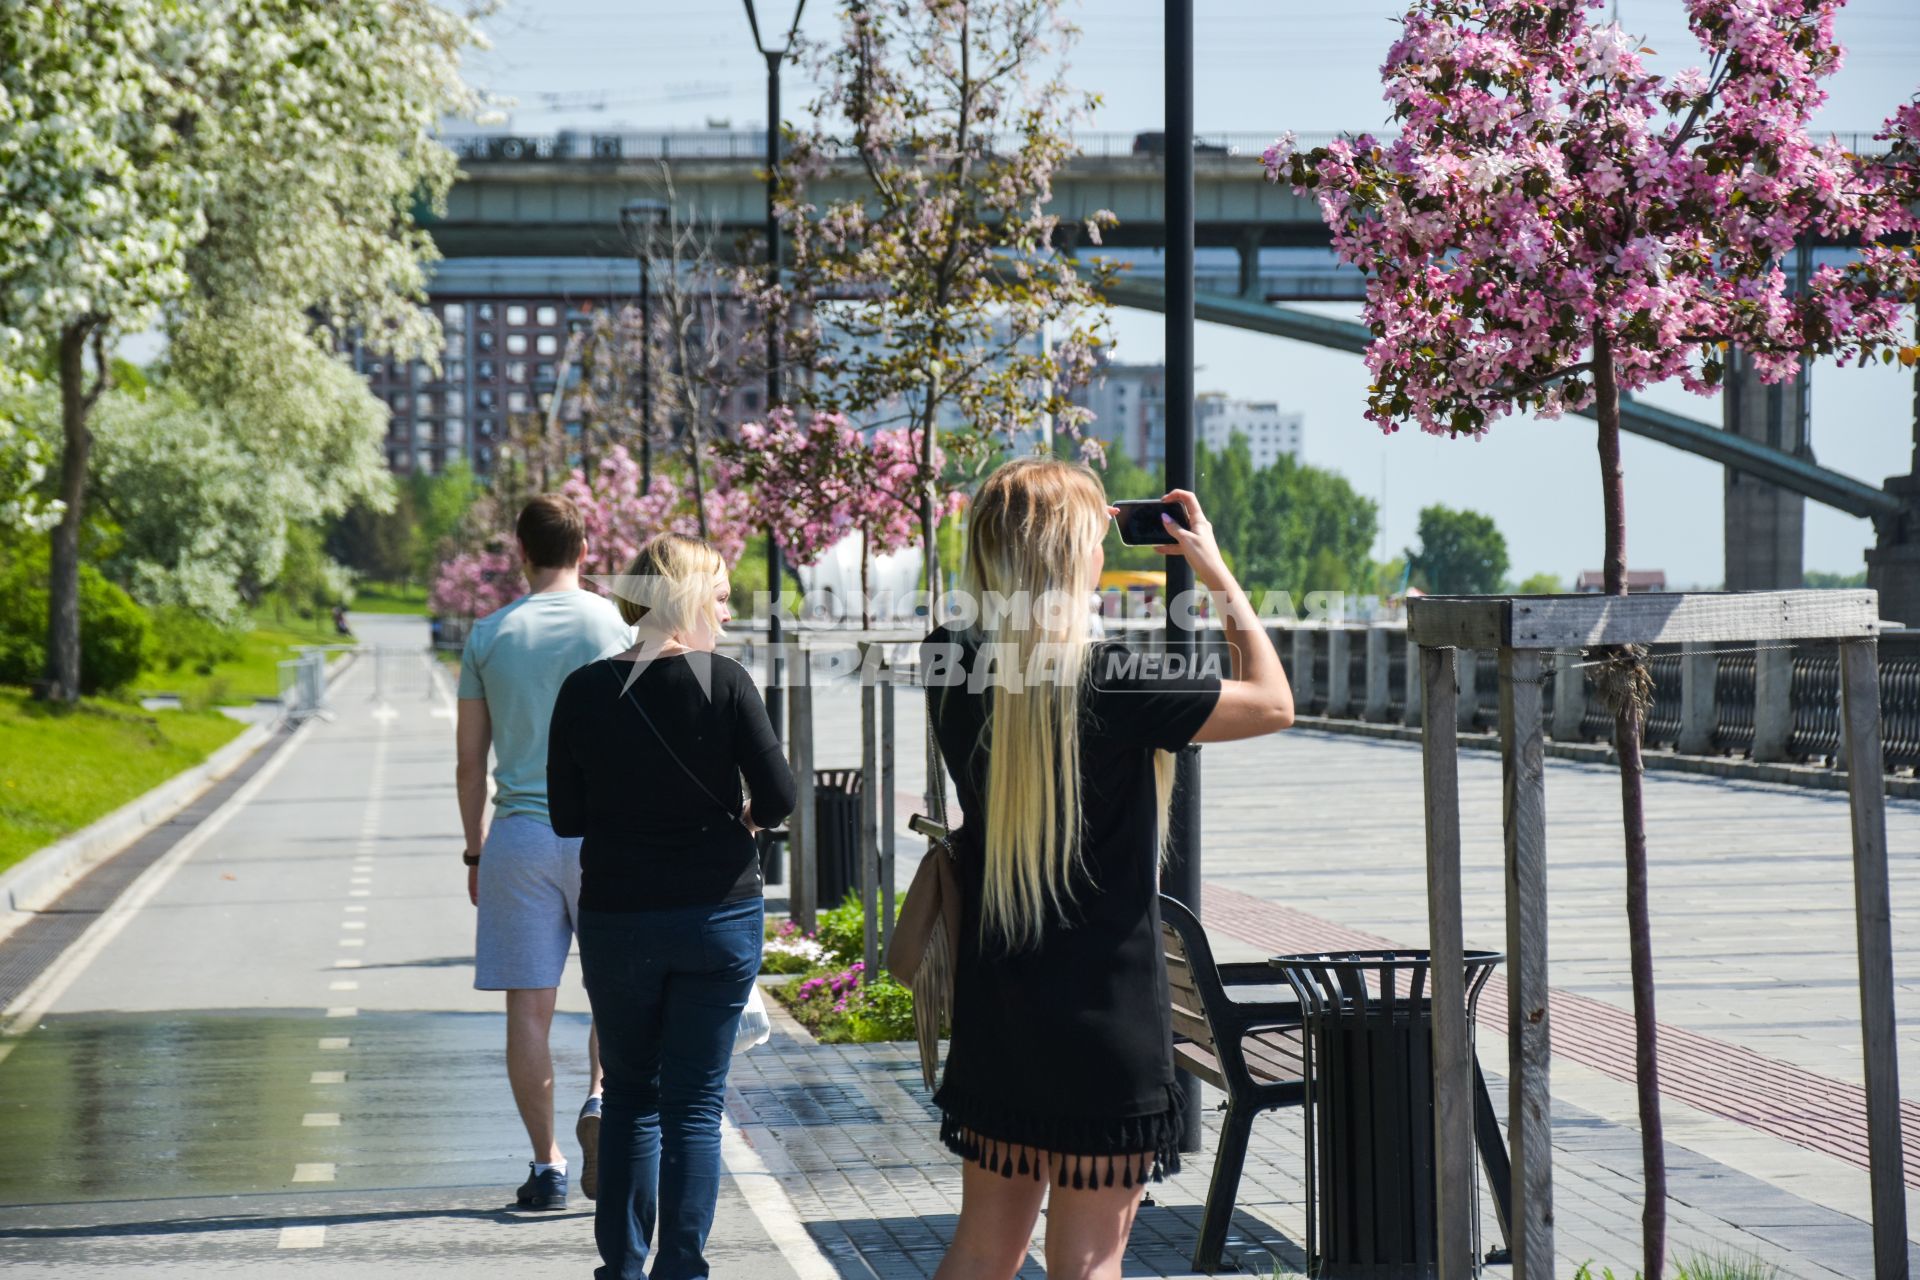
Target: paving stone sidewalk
(851,1134)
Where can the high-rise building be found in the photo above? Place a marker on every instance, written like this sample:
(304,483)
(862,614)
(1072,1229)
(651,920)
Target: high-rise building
(1129,404)
(507,323)
(1268,431)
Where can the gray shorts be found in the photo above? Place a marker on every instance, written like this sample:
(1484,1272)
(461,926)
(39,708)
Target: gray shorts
(529,902)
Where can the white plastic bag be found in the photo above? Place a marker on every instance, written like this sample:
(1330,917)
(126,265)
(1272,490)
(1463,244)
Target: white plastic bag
(755,1026)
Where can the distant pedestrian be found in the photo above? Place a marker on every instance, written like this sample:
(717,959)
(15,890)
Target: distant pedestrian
(525,879)
(1059,1079)
(340,627)
(645,760)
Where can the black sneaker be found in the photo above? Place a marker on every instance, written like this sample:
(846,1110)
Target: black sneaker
(543,1190)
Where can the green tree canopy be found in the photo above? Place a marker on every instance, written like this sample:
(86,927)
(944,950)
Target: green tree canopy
(1461,553)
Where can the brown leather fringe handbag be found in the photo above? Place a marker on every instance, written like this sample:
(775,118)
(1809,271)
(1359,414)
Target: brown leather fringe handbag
(926,937)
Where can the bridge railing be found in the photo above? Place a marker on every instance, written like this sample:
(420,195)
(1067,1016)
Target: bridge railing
(1772,703)
(750,146)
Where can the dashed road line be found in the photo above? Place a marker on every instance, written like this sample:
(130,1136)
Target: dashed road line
(327,1077)
(303,1237)
(318,1171)
(320,1120)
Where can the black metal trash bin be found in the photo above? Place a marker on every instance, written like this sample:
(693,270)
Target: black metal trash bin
(836,814)
(1368,1018)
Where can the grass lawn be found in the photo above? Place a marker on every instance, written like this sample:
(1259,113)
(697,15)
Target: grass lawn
(388,597)
(254,674)
(61,768)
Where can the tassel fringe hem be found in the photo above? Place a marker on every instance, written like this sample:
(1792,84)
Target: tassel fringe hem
(1131,1152)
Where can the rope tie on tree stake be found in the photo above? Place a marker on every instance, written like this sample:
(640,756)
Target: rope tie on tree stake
(1624,680)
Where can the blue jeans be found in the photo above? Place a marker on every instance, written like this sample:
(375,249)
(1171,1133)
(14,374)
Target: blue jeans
(667,988)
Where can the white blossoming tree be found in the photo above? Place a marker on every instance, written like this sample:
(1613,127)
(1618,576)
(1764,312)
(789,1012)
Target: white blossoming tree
(244,172)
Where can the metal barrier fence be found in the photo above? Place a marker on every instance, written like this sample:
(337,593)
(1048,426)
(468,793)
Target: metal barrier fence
(303,683)
(402,671)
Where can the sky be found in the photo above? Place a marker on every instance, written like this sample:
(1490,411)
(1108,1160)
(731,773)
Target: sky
(1270,66)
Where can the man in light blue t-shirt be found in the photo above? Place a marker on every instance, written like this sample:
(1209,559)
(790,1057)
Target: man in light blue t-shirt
(524,879)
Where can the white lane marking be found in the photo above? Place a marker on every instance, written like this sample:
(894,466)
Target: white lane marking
(346,963)
(327,1077)
(320,1171)
(335,1042)
(353,942)
(353,924)
(343,986)
(321,1120)
(771,1205)
(361,880)
(356,907)
(303,1237)
(385,714)
(343,1011)
(357,893)
(21,1016)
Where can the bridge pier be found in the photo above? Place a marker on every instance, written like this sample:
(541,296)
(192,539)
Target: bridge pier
(1893,565)
(1249,249)
(1765,525)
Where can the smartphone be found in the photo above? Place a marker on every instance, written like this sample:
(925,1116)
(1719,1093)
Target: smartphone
(1140,523)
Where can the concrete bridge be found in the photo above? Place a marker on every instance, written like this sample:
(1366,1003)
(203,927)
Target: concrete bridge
(560,195)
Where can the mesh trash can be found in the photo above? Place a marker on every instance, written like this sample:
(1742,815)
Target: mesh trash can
(836,811)
(1368,1019)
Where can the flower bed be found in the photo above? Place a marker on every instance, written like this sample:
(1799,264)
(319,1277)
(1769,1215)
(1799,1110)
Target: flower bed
(831,1000)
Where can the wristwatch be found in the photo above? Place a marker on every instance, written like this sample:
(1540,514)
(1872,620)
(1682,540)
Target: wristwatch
(471,858)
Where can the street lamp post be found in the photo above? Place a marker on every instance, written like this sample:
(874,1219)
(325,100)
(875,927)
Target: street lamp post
(775,569)
(1181,877)
(638,218)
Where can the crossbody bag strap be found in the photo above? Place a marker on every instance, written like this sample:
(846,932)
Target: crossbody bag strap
(937,774)
(692,777)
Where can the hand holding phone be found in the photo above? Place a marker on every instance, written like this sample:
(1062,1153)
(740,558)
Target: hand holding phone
(1142,524)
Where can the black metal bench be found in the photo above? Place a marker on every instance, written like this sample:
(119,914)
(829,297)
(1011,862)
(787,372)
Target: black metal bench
(1253,1051)
(1249,1049)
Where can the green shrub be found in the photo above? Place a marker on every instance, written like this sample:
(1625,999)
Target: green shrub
(843,930)
(114,630)
(883,1010)
(1699,1267)
(183,638)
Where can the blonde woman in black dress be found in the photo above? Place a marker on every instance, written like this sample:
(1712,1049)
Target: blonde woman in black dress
(1059,1081)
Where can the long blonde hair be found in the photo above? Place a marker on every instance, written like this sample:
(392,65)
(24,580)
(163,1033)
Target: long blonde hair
(1033,531)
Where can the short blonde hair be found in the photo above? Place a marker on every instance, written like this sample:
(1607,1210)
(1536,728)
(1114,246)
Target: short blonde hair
(670,582)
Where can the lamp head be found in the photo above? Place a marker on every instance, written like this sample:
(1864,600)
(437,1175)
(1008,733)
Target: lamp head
(780,14)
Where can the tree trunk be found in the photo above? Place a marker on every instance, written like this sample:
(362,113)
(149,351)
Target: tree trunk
(866,596)
(699,484)
(63,589)
(929,531)
(1628,723)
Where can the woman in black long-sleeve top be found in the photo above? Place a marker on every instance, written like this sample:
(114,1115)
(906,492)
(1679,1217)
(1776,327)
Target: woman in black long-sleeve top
(645,760)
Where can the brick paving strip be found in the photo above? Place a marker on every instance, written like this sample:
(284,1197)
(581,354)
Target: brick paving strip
(1799,1106)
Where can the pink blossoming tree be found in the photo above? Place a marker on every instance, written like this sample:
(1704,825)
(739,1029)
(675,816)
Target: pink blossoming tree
(1557,226)
(619,516)
(818,483)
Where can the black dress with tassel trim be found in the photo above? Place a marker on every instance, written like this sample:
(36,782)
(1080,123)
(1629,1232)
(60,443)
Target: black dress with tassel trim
(1061,1060)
